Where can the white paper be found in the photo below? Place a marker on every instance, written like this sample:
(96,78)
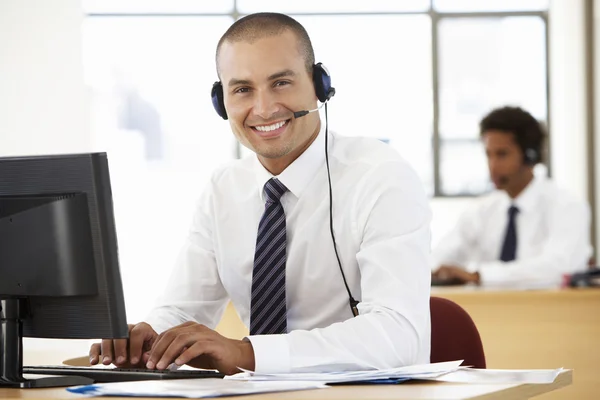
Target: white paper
(190,388)
(473,375)
(408,372)
(444,372)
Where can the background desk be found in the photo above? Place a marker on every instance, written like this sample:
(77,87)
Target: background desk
(539,329)
(409,390)
(524,329)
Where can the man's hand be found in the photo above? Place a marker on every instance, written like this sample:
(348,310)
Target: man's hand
(141,339)
(454,272)
(201,347)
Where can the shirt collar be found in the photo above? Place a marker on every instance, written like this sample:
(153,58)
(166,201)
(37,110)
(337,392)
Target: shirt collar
(528,198)
(300,172)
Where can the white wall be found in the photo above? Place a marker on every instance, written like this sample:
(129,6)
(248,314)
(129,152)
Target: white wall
(43,102)
(568,111)
(596,38)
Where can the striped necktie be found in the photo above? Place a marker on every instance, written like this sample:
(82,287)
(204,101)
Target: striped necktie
(268,312)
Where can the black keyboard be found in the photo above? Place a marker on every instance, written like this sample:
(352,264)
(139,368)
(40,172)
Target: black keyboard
(100,375)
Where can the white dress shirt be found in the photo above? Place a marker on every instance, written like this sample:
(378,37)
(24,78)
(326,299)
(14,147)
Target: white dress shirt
(552,237)
(382,227)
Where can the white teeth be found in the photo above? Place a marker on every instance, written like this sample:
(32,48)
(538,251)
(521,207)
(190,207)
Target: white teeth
(268,128)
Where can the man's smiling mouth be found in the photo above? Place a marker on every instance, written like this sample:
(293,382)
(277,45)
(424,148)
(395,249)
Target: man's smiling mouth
(270,130)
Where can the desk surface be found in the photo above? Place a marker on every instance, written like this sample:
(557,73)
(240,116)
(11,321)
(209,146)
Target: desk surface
(407,390)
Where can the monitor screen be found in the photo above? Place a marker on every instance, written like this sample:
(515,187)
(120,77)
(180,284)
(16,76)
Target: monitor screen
(59,271)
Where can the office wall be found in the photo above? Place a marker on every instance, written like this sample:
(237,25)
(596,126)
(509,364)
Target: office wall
(43,102)
(596,110)
(568,95)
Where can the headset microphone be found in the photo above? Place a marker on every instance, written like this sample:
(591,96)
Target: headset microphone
(302,113)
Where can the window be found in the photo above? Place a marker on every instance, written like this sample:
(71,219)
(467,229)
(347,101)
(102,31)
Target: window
(385,94)
(484,63)
(489,5)
(151,79)
(144,7)
(331,6)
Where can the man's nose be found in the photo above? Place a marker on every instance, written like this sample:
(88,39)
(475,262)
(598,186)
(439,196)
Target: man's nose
(265,104)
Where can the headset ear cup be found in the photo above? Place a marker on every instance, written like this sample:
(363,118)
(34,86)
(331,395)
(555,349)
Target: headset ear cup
(216,95)
(531,156)
(322,82)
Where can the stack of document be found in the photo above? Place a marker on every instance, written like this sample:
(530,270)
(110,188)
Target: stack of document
(423,371)
(190,388)
(474,375)
(248,382)
(445,371)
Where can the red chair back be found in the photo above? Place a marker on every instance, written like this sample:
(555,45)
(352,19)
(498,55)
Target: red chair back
(454,335)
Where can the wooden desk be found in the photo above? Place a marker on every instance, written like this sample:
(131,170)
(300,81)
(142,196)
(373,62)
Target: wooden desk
(538,329)
(523,329)
(408,390)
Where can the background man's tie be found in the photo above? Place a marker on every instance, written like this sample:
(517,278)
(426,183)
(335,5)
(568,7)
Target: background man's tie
(268,313)
(509,248)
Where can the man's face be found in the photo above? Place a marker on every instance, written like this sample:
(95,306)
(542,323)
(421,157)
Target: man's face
(264,82)
(505,158)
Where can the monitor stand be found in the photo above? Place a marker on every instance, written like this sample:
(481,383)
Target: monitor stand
(12,313)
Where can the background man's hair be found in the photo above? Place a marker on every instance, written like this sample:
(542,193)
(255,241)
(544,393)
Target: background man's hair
(527,131)
(260,25)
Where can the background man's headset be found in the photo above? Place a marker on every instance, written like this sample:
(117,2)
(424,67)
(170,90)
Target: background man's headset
(324,91)
(531,155)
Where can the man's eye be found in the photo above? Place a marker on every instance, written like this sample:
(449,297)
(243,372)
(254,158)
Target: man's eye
(282,83)
(241,90)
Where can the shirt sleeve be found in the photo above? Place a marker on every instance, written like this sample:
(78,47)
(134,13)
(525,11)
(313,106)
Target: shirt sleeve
(194,291)
(393,329)
(566,250)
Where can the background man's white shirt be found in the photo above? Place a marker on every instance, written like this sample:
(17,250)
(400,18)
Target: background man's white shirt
(552,237)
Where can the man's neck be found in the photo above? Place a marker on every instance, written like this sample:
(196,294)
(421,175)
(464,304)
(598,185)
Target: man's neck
(519,186)
(277,165)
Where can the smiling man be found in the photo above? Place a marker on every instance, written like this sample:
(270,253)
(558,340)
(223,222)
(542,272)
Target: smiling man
(526,232)
(262,235)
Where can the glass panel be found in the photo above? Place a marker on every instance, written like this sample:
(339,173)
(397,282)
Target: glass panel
(156,6)
(383,86)
(486,63)
(150,80)
(331,6)
(463,168)
(489,5)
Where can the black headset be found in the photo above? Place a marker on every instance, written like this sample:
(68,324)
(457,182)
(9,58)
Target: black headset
(324,92)
(531,156)
(530,145)
(321,80)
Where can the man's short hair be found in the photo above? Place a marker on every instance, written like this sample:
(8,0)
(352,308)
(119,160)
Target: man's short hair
(260,25)
(526,130)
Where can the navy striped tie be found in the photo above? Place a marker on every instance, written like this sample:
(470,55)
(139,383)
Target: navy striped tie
(268,312)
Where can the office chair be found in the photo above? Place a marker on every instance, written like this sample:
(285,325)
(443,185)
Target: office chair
(454,335)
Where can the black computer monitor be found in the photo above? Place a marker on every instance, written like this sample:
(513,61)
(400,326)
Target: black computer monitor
(59,271)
